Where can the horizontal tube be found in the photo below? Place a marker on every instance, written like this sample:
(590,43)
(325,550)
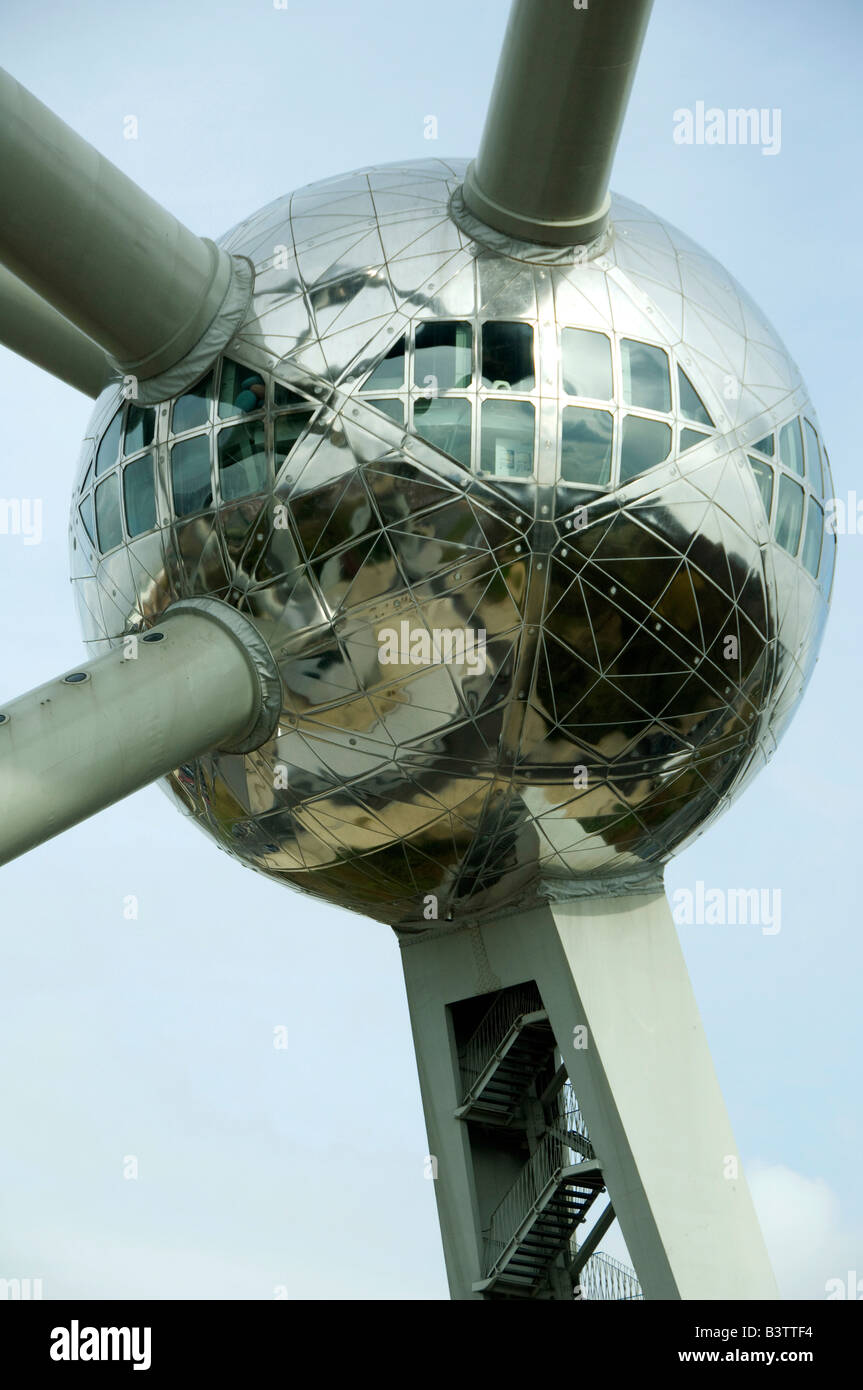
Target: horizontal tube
(34,330)
(556,110)
(106,256)
(84,740)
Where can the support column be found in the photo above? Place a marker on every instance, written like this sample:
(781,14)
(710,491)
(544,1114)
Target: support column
(612,978)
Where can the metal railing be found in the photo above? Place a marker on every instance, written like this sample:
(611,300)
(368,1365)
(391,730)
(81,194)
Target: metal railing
(493,1028)
(541,1169)
(604,1278)
(569,1120)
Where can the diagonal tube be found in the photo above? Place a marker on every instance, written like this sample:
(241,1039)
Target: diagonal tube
(556,110)
(95,247)
(34,330)
(203,678)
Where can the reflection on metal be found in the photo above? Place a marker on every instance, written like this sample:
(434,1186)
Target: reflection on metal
(640,646)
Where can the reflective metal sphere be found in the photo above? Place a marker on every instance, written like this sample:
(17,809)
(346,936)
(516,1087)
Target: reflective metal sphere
(536,540)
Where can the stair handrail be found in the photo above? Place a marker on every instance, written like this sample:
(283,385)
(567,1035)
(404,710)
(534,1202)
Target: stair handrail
(493,1027)
(541,1168)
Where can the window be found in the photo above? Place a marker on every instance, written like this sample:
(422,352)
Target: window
(140,428)
(765,445)
(392,407)
(764,478)
(813,457)
(139,495)
(791,447)
(507,438)
(645,444)
(284,396)
(646,381)
(242,460)
(789,514)
(445,423)
(109,526)
(811,555)
(193,409)
(507,356)
(389,374)
(691,404)
(287,430)
(87,518)
(190,475)
(689,439)
(241,390)
(443,356)
(586,445)
(109,448)
(586,362)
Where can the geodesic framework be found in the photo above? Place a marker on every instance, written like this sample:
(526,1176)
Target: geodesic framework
(609,467)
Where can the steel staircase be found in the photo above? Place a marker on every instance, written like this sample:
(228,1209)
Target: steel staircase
(512,1079)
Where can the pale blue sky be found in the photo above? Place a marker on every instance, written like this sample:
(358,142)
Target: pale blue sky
(260,1168)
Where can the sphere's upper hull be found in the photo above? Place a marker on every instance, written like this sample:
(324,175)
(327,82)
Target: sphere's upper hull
(508,667)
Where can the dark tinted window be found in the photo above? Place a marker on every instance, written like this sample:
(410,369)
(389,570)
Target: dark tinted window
(109,448)
(190,475)
(193,409)
(443,356)
(287,430)
(765,445)
(764,478)
(689,438)
(139,495)
(586,445)
(813,457)
(789,514)
(389,374)
(242,460)
(241,390)
(645,375)
(109,526)
(140,428)
(645,443)
(394,408)
(691,404)
(284,396)
(87,517)
(791,446)
(811,554)
(507,356)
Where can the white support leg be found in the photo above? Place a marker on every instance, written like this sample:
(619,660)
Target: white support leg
(613,980)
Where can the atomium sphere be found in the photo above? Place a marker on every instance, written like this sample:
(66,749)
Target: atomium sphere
(536,538)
